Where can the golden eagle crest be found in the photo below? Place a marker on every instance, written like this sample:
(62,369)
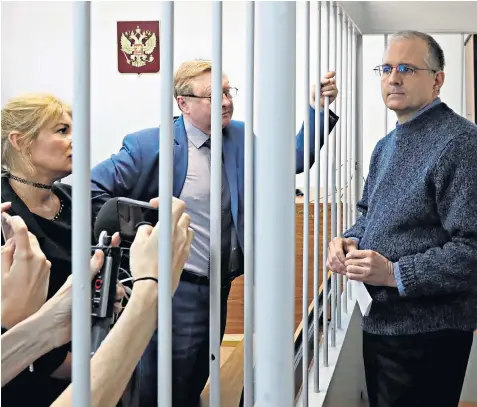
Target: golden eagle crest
(136,51)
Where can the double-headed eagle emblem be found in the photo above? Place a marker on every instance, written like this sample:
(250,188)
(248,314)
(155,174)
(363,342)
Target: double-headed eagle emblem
(136,51)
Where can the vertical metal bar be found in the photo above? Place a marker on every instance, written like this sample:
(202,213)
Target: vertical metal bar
(339,104)
(248,227)
(385,107)
(349,126)
(358,115)
(344,119)
(333,34)
(275,199)
(215,203)
(344,124)
(81,202)
(316,237)
(306,206)
(164,395)
(326,128)
(355,143)
(463,87)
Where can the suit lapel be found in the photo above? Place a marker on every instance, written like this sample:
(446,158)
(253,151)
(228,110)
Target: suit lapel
(180,158)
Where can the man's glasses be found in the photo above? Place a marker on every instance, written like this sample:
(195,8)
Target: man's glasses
(229,93)
(403,69)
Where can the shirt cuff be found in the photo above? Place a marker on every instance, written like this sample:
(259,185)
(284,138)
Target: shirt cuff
(397,277)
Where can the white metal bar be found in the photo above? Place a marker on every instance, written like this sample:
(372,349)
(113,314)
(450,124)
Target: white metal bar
(306,206)
(215,203)
(358,121)
(385,107)
(249,209)
(339,104)
(81,207)
(356,182)
(344,137)
(316,240)
(463,87)
(349,126)
(326,128)
(333,36)
(275,199)
(349,121)
(164,391)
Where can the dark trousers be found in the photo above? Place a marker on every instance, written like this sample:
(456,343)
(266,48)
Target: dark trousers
(190,347)
(424,370)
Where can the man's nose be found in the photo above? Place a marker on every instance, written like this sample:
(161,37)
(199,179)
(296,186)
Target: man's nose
(226,101)
(394,77)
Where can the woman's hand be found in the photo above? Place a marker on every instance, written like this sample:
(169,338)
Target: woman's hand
(59,307)
(25,273)
(145,250)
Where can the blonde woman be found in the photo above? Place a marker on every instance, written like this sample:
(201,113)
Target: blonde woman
(36,155)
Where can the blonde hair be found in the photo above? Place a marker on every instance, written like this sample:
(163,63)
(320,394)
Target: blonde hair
(186,73)
(27,115)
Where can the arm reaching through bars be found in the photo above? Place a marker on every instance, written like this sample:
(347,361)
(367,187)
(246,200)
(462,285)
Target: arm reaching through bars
(328,88)
(134,329)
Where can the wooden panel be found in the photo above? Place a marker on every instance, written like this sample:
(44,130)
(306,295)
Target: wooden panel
(235,318)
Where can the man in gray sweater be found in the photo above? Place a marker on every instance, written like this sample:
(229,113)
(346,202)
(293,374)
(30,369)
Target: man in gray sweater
(415,243)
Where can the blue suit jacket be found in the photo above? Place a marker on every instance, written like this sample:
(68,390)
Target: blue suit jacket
(134,171)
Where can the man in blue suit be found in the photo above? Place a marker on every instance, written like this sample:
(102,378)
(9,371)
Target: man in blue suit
(134,172)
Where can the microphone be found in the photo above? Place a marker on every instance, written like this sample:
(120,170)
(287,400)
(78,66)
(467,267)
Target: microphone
(107,219)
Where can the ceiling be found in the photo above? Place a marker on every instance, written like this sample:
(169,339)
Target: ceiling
(385,17)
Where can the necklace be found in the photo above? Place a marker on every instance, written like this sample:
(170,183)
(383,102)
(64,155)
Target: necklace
(42,186)
(59,212)
(27,182)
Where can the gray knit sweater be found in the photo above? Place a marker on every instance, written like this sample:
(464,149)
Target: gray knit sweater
(419,210)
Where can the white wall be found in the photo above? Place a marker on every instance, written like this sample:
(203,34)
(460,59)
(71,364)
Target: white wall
(37,55)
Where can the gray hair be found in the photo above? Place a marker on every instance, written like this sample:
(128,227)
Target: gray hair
(435,59)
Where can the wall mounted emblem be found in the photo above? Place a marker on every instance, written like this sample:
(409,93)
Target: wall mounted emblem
(138,47)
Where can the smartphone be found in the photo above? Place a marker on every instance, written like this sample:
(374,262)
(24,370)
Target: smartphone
(7,231)
(131,214)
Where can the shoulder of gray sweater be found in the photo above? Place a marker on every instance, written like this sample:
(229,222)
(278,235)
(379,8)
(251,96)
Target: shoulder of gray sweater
(459,132)
(462,124)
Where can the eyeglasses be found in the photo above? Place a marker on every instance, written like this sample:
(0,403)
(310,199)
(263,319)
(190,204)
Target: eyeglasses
(229,93)
(403,69)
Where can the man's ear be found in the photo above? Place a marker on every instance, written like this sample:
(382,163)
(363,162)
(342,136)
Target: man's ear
(182,104)
(439,81)
(16,140)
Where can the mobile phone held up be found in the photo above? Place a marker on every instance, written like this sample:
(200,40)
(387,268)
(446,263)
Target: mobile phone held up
(7,231)
(132,214)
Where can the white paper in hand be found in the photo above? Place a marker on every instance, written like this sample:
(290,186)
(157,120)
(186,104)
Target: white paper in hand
(362,296)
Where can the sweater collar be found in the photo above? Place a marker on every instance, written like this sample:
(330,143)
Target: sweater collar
(434,103)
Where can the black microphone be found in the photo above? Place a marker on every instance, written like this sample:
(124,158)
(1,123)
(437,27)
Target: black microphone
(107,219)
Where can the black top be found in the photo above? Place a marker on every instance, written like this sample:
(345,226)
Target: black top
(37,388)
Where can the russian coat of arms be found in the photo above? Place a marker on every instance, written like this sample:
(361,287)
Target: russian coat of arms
(138,44)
